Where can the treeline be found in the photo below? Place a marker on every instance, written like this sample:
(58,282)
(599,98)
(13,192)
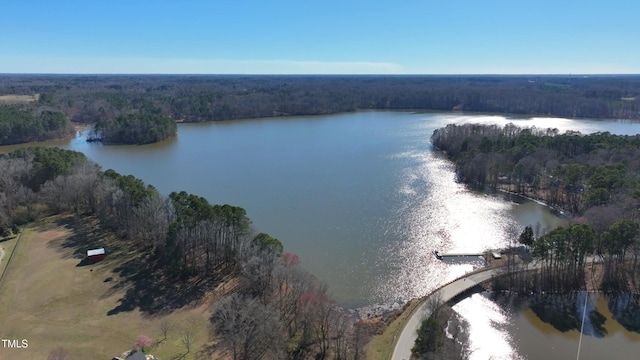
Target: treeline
(193,98)
(576,258)
(570,262)
(596,176)
(19,125)
(133,129)
(278,310)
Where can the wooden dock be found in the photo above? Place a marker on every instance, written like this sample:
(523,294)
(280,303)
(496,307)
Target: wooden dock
(456,255)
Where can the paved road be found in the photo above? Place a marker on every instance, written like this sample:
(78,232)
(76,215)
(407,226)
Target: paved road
(409,334)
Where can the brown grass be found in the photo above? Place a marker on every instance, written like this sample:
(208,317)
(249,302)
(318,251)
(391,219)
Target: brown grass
(51,298)
(18,98)
(381,346)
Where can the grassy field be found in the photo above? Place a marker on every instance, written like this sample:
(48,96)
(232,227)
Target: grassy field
(52,298)
(13,99)
(381,346)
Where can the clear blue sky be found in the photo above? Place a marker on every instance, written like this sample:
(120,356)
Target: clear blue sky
(319,37)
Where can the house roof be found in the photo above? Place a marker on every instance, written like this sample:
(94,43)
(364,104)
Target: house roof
(136,355)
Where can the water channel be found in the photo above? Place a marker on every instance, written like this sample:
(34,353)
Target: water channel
(361,197)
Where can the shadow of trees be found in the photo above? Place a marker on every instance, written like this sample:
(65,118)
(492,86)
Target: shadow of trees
(625,308)
(152,290)
(563,311)
(141,274)
(86,233)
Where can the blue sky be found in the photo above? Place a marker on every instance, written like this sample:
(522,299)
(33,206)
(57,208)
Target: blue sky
(320,37)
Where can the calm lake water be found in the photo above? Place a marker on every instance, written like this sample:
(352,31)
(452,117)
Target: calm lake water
(360,197)
(508,330)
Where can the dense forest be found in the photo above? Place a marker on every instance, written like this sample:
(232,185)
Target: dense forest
(133,129)
(194,98)
(594,179)
(585,175)
(136,109)
(278,311)
(19,126)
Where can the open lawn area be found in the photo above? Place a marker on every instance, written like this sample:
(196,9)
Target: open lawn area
(52,298)
(12,99)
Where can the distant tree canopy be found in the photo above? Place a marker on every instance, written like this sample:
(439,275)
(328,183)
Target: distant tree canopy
(136,109)
(20,125)
(579,173)
(93,99)
(134,129)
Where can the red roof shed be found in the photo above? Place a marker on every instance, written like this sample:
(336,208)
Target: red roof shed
(95,255)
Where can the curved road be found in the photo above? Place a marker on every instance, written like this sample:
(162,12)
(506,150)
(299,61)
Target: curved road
(409,334)
(402,350)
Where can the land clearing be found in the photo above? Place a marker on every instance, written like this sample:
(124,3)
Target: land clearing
(14,99)
(52,298)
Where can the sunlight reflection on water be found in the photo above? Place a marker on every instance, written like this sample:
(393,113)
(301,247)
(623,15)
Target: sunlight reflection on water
(487,334)
(436,213)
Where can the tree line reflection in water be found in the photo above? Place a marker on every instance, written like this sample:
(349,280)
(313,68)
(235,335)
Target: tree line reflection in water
(564,311)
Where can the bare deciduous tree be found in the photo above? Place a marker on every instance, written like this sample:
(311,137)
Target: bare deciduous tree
(164,329)
(248,328)
(187,339)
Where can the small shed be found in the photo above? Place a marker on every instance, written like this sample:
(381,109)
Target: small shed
(95,255)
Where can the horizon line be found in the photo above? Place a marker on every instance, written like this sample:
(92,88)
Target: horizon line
(317,74)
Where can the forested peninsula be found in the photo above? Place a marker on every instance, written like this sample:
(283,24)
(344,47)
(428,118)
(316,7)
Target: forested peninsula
(133,129)
(194,98)
(594,179)
(185,248)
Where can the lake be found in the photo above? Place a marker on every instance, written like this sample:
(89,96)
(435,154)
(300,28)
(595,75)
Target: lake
(361,197)
(508,329)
